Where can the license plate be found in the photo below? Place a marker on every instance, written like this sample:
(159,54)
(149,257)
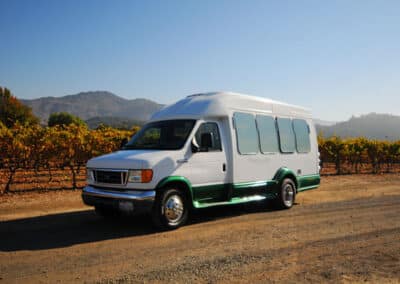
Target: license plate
(126,206)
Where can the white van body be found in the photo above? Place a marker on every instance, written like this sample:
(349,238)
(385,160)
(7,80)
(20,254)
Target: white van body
(238,170)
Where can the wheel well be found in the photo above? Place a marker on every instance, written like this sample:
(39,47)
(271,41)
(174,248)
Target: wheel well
(179,185)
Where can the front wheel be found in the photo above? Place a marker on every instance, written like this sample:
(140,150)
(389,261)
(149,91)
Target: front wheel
(170,209)
(286,194)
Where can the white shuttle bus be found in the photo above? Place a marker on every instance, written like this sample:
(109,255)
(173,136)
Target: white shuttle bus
(207,150)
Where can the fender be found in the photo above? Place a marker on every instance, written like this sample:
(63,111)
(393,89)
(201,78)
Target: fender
(176,179)
(283,173)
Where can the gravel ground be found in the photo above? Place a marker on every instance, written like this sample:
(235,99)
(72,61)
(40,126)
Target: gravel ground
(348,230)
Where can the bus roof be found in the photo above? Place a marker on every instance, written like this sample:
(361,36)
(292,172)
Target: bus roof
(220,104)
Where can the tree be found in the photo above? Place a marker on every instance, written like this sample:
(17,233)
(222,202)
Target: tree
(64,119)
(13,111)
(15,151)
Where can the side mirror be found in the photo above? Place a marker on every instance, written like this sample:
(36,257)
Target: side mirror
(195,146)
(206,141)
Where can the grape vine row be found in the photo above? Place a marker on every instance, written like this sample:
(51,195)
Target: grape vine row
(67,148)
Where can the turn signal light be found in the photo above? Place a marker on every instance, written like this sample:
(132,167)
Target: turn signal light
(140,176)
(147,175)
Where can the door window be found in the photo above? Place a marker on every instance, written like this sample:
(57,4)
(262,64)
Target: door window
(212,128)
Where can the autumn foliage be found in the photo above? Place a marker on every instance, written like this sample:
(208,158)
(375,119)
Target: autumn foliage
(54,148)
(355,155)
(66,148)
(12,110)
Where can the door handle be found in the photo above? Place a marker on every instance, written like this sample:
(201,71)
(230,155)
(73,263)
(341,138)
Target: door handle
(180,161)
(223,167)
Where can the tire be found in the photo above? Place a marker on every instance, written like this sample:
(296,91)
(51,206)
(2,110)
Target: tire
(171,209)
(286,194)
(106,212)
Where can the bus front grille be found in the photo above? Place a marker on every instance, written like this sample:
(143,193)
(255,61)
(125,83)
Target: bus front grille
(111,177)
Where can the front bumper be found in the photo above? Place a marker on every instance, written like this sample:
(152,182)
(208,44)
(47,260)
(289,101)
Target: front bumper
(142,201)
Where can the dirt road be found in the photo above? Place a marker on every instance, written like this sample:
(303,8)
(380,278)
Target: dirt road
(346,231)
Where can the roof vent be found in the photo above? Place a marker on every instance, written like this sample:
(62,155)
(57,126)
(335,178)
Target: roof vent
(202,94)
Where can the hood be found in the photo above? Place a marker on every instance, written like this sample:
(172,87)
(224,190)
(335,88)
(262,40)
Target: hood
(129,159)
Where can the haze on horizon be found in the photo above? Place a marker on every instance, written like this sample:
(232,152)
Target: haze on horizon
(339,58)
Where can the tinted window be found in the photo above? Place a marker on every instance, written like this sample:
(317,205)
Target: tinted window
(286,135)
(246,132)
(302,133)
(162,135)
(268,135)
(209,127)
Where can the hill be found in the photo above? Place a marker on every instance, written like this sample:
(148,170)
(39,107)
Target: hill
(115,122)
(101,107)
(323,122)
(371,126)
(87,105)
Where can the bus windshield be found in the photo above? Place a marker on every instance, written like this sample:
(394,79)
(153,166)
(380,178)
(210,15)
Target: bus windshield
(161,135)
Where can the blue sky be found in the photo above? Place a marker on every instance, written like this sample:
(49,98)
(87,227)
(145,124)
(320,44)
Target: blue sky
(338,58)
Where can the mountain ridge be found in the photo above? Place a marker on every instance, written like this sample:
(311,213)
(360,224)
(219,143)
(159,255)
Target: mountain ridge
(103,107)
(92,104)
(371,126)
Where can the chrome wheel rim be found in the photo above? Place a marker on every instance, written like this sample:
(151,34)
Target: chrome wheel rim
(288,194)
(173,209)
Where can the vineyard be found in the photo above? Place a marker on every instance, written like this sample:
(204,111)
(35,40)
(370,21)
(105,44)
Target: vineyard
(358,155)
(45,158)
(38,157)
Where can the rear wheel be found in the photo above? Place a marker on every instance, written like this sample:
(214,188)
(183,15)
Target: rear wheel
(170,209)
(286,194)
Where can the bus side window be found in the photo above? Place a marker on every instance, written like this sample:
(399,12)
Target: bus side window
(246,133)
(268,134)
(302,133)
(286,135)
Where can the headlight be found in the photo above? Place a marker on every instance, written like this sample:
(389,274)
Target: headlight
(89,175)
(142,176)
